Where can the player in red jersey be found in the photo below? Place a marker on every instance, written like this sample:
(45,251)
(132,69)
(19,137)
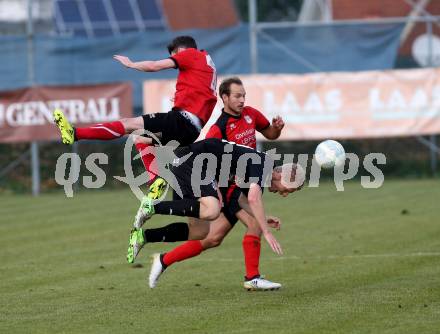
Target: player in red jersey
(238,124)
(194,101)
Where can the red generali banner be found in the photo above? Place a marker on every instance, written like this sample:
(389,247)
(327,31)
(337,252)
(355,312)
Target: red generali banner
(26,114)
(335,105)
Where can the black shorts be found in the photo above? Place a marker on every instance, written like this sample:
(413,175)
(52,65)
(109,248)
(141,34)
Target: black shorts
(183,173)
(171,126)
(231,206)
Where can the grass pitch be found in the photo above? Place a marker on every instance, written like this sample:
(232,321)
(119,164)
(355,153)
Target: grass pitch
(359,261)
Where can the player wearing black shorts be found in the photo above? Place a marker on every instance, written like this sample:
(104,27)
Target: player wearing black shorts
(194,101)
(195,180)
(176,124)
(237,123)
(196,169)
(244,126)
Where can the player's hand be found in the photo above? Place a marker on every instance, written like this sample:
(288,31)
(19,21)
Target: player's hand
(274,222)
(278,123)
(273,243)
(123,60)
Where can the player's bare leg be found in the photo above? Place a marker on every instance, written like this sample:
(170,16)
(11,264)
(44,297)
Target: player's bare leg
(179,231)
(156,185)
(209,208)
(218,230)
(203,210)
(198,229)
(213,234)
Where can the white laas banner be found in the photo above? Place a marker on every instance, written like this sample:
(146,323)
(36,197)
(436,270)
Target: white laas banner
(334,105)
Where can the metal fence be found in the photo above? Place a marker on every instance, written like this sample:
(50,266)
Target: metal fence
(260,31)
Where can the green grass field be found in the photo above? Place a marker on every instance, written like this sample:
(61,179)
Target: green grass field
(353,263)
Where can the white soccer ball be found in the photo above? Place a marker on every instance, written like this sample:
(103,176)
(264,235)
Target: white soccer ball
(329,154)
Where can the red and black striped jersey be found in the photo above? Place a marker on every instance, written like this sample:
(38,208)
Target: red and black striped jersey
(239,129)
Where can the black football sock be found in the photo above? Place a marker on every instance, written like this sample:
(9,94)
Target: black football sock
(183,207)
(170,233)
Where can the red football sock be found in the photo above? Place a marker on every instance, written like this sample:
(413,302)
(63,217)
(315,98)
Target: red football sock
(251,250)
(147,159)
(103,131)
(189,249)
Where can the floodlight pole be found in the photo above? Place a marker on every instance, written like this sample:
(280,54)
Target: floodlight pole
(253,16)
(75,167)
(35,158)
(432,138)
(253,46)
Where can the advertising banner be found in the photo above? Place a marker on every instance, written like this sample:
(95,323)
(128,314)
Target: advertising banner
(338,105)
(26,114)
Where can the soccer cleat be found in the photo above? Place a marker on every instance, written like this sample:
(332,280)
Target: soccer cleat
(157,188)
(260,284)
(145,211)
(135,244)
(66,129)
(157,269)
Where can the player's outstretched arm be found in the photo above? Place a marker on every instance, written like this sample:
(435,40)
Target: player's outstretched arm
(255,199)
(147,65)
(272,221)
(273,131)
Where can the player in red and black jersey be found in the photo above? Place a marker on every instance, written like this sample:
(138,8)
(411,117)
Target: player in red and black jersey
(238,124)
(199,199)
(194,101)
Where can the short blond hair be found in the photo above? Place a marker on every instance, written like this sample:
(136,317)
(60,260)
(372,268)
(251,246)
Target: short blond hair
(292,175)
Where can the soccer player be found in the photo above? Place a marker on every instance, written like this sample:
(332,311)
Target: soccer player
(194,101)
(237,123)
(200,199)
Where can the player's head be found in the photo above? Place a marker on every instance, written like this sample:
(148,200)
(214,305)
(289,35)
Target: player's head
(181,43)
(233,95)
(287,179)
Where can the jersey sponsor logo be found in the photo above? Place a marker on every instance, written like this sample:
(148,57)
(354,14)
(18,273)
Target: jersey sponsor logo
(248,119)
(248,132)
